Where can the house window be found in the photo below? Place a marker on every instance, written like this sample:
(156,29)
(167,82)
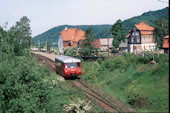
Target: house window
(70,44)
(138,39)
(131,40)
(133,34)
(143,39)
(137,33)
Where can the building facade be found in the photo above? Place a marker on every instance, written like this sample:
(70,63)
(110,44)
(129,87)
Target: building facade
(70,37)
(141,38)
(105,43)
(166,44)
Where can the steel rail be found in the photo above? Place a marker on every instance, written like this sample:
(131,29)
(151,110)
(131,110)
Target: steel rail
(107,101)
(93,101)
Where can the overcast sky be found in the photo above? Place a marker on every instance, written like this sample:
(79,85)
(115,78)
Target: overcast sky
(45,14)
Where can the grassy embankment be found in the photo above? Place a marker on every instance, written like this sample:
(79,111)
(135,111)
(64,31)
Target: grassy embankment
(133,80)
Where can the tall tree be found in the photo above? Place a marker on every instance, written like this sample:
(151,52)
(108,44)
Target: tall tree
(22,30)
(118,34)
(48,46)
(89,37)
(161,29)
(86,47)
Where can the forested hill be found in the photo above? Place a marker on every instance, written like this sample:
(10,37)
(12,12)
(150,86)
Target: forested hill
(101,31)
(148,16)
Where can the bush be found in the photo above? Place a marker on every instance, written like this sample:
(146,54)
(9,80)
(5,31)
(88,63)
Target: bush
(113,63)
(22,88)
(87,51)
(71,51)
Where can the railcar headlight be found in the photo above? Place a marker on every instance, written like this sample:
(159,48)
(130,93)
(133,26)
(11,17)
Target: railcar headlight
(79,70)
(66,71)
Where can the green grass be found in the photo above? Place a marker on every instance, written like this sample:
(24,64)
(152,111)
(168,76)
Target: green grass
(141,85)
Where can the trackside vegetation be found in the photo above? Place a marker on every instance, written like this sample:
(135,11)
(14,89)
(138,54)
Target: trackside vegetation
(25,85)
(132,79)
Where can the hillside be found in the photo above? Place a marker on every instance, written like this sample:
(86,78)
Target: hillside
(101,31)
(148,16)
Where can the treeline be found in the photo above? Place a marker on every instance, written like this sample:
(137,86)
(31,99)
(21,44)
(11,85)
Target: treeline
(150,17)
(102,31)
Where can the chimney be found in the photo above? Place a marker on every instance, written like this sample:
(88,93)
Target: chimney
(76,27)
(65,28)
(145,22)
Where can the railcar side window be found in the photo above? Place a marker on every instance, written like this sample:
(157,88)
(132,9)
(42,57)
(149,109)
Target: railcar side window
(58,64)
(72,65)
(78,64)
(66,65)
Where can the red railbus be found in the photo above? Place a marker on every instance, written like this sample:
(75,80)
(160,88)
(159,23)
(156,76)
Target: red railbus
(68,66)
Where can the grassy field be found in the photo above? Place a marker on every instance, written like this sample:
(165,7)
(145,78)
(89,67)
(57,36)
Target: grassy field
(133,80)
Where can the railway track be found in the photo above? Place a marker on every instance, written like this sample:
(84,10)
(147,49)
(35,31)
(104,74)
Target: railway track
(100,100)
(48,62)
(91,94)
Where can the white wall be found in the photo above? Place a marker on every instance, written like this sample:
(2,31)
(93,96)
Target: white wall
(60,44)
(144,47)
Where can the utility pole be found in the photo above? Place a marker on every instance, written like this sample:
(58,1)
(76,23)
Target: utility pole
(46,46)
(108,42)
(39,48)
(108,45)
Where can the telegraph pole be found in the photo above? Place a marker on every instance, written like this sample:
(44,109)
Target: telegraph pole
(108,45)
(108,42)
(39,48)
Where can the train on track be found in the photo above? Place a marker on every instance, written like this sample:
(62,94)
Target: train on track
(68,66)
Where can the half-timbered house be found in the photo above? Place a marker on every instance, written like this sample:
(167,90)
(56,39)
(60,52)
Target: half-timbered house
(141,38)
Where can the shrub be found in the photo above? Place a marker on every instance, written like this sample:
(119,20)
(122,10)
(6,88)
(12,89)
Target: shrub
(22,88)
(113,63)
(77,105)
(71,51)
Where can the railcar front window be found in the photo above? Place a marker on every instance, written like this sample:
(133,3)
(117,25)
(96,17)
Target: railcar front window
(78,64)
(66,65)
(72,65)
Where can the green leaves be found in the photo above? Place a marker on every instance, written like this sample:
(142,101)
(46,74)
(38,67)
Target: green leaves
(161,29)
(118,33)
(22,85)
(87,48)
(22,32)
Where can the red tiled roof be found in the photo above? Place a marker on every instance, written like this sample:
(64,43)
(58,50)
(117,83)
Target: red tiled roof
(128,35)
(72,34)
(167,36)
(144,26)
(166,42)
(96,43)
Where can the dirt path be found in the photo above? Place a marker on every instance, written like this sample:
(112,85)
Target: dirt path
(50,56)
